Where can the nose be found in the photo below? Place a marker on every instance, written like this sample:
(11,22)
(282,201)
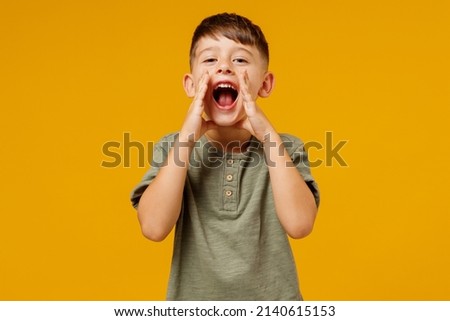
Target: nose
(224,69)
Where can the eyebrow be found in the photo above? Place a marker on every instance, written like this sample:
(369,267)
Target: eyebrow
(237,49)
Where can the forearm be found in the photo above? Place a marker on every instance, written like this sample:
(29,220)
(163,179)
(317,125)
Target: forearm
(160,204)
(294,202)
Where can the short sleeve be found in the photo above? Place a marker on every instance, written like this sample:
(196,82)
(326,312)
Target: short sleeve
(296,150)
(160,152)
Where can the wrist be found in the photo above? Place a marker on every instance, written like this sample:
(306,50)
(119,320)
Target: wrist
(184,141)
(185,137)
(271,137)
(180,153)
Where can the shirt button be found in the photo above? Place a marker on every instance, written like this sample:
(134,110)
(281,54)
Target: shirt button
(230,162)
(228,193)
(229,177)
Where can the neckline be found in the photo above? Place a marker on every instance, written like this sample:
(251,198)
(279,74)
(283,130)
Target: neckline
(252,142)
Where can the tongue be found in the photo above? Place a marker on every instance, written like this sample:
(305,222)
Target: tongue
(225,99)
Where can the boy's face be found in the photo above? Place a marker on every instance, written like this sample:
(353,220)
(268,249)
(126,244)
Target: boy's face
(224,59)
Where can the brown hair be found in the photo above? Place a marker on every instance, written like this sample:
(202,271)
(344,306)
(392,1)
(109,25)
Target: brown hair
(231,26)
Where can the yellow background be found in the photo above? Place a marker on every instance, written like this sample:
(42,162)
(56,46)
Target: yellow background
(77,74)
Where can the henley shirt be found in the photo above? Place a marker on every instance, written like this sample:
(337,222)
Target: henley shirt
(229,243)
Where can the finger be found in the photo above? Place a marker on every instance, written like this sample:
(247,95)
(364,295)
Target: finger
(249,104)
(245,87)
(200,94)
(202,86)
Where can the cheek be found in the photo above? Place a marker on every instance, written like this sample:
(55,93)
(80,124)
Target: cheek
(256,82)
(200,70)
(254,89)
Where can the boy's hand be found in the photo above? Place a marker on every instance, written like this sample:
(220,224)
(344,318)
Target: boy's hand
(195,125)
(256,122)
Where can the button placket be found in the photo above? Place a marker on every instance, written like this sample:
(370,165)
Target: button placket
(230,200)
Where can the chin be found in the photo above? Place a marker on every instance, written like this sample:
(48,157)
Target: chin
(225,122)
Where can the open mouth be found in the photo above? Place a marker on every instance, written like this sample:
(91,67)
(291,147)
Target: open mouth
(225,95)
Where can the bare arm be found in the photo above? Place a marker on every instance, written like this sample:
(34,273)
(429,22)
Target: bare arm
(294,201)
(160,204)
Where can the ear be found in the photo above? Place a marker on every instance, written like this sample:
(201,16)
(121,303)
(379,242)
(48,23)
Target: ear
(267,85)
(189,85)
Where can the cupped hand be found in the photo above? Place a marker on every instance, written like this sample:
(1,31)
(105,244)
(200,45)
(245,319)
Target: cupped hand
(256,122)
(195,125)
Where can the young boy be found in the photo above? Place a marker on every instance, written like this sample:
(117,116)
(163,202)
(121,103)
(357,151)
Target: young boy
(230,183)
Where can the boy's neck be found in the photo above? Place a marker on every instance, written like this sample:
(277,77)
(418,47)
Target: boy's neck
(229,139)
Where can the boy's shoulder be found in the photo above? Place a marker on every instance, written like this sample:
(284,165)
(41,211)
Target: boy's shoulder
(167,140)
(291,142)
(290,138)
(169,137)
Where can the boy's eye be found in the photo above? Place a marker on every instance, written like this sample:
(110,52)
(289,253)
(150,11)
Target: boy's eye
(240,60)
(210,60)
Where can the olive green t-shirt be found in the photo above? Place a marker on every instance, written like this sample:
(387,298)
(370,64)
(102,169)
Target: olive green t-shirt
(229,244)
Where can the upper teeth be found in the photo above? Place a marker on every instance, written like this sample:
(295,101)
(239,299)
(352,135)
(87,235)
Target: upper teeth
(224,86)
